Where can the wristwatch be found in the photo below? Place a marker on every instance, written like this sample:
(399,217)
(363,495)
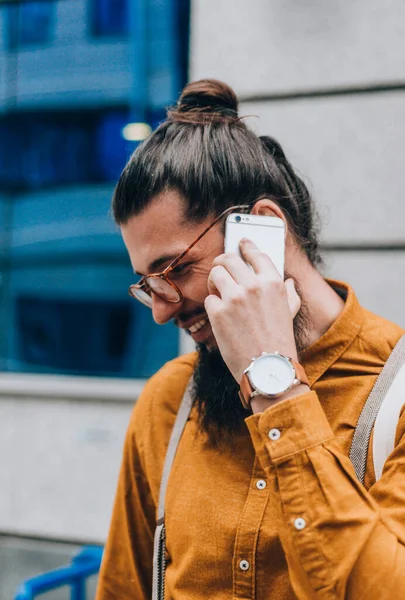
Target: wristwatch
(270,375)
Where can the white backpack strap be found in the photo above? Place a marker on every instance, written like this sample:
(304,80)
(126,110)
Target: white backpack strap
(159,543)
(381,410)
(387,420)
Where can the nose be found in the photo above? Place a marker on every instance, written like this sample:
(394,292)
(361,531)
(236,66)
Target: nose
(163,311)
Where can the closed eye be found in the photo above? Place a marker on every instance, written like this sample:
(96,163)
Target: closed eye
(181,269)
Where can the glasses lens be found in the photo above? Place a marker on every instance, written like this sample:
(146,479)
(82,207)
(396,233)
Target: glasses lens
(163,289)
(140,295)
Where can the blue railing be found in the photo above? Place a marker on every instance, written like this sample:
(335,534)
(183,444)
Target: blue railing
(84,564)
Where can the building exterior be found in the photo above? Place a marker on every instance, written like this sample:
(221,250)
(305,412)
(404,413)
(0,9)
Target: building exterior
(74,348)
(72,74)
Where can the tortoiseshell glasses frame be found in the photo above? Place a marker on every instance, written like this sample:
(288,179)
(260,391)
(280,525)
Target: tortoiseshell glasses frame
(160,283)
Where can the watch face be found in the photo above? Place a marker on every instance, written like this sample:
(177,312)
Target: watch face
(271,374)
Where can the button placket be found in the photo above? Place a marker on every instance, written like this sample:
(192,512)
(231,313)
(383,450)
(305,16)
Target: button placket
(249,524)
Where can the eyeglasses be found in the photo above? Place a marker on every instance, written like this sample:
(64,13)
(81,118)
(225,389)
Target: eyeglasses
(159,283)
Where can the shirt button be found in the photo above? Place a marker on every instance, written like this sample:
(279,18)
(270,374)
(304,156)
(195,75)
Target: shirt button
(244,565)
(274,434)
(260,484)
(300,523)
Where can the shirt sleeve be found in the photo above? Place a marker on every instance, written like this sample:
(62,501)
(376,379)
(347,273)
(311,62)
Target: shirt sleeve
(126,570)
(340,541)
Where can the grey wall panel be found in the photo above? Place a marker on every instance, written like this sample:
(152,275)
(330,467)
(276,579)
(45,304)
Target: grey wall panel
(378,279)
(262,46)
(66,456)
(351,151)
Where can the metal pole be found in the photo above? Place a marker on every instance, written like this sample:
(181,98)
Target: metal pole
(11,87)
(138,23)
(78,589)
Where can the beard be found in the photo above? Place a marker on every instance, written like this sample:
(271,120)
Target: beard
(221,415)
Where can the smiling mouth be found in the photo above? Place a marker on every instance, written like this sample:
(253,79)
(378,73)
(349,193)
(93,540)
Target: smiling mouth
(197,326)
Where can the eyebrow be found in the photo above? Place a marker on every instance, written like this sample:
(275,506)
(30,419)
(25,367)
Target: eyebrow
(153,267)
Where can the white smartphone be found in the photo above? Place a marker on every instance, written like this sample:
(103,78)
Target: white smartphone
(268,233)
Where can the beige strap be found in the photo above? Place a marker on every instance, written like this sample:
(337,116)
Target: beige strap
(159,544)
(388,395)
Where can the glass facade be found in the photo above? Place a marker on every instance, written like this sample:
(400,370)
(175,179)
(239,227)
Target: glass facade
(39,150)
(29,23)
(64,270)
(110,17)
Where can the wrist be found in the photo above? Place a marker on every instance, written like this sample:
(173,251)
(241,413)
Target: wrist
(261,403)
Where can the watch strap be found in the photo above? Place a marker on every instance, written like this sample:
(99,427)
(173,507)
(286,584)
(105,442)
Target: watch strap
(299,372)
(245,391)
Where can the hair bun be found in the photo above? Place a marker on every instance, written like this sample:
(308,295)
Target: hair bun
(206,100)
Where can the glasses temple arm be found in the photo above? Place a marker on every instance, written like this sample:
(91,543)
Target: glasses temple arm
(227,211)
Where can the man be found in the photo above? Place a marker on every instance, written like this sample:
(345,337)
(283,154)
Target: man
(261,502)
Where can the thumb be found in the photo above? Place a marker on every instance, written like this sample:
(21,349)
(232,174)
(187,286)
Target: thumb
(294,301)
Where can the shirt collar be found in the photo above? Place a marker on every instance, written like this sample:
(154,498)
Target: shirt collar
(317,358)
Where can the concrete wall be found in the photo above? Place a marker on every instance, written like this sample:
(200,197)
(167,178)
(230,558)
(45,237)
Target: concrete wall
(61,442)
(262,46)
(327,80)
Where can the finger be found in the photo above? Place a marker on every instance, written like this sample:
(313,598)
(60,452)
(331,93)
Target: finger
(219,280)
(237,268)
(212,304)
(261,262)
(294,301)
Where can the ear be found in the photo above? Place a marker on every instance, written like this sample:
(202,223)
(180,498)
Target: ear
(268,208)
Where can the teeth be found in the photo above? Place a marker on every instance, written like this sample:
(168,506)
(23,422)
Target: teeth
(197,326)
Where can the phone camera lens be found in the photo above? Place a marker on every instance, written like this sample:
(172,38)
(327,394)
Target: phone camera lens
(238,219)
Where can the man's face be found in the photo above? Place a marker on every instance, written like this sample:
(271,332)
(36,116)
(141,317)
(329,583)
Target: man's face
(157,236)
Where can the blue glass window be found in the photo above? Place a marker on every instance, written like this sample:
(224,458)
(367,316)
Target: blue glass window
(111,149)
(89,336)
(110,17)
(41,150)
(65,307)
(30,23)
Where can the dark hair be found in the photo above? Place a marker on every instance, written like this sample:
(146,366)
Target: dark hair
(205,152)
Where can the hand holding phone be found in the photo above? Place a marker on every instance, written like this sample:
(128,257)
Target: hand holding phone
(268,233)
(249,311)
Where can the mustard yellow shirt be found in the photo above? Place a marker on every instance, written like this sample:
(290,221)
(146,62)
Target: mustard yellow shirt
(268,518)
